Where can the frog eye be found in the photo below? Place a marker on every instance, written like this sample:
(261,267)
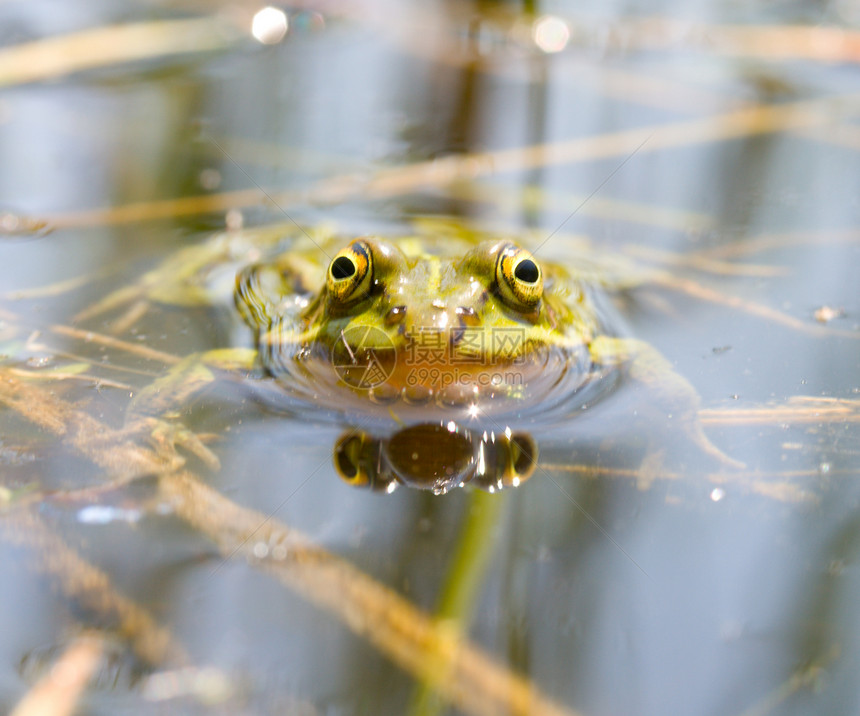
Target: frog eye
(349,460)
(521,460)
(519,277)
(350,273)
(357,461)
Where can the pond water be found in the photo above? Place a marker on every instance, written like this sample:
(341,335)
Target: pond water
(705,164)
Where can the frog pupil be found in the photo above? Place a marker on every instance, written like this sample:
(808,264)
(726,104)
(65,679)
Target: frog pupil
(527,271)
(342,267)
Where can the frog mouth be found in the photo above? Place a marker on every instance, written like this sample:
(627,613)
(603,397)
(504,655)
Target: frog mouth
(392,385)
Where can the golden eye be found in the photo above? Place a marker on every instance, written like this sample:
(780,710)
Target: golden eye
(358,461)
(518,277)
(521,459)
(350,461)
(350,273)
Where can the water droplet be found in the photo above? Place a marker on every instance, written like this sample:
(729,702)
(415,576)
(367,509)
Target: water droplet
(825,314)
(209,179)
(261,550)
(269,25)
(306,21)
(717,494)
(550,34)
(104,514)
(279,552)
(234,220)
(824,468)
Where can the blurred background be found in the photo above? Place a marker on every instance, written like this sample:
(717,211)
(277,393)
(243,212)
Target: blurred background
(710,154)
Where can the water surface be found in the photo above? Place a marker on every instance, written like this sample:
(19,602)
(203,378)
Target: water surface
(631,574)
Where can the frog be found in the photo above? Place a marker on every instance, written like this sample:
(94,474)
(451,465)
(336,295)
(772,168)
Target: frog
(461,333)
(435,328)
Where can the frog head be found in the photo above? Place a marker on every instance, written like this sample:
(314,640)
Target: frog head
(413,320)
(456,303)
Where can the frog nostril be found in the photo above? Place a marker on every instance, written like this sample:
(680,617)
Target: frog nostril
(395,315)
(468,316)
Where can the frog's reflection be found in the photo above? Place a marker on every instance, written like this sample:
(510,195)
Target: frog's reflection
(437,457)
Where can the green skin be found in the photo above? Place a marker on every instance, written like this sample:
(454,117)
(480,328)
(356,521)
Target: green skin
(437,292)
(294,300)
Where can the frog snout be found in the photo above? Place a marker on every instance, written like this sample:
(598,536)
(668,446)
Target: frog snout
(434,318)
